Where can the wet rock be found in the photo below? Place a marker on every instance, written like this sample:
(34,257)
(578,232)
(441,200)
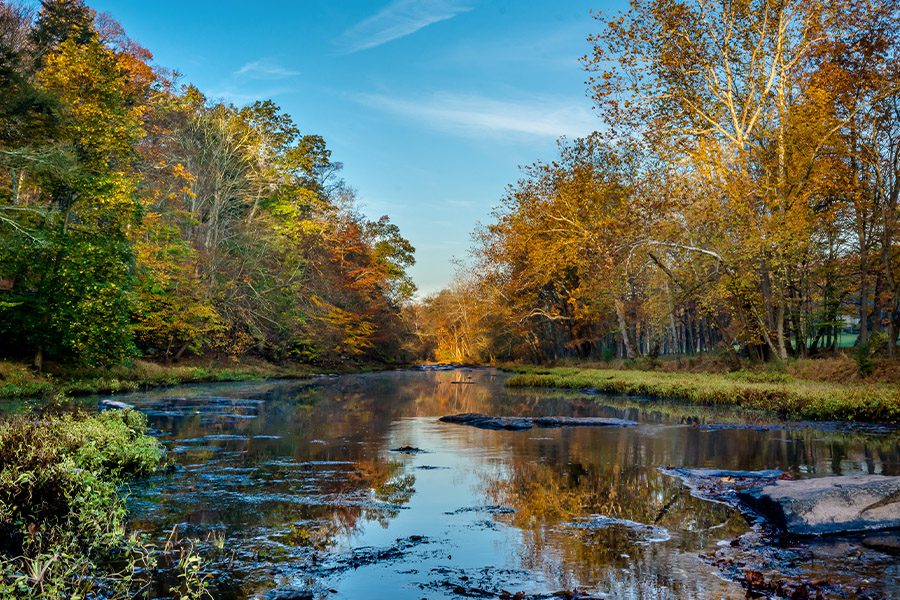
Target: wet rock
(581,422)
(494,509)
(827,505)
(886,543)
(722,485)
(488,422)
(650,533)
(469,592)
(107,404)
(407,450)
(290,595)
(368,555)
(525,423)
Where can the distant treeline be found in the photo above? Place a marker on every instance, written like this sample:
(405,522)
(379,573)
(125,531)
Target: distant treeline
(139,217)
(739,195)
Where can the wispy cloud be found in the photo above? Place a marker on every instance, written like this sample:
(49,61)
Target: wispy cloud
(398,19)
(240,97)
(479,116)
(264,69)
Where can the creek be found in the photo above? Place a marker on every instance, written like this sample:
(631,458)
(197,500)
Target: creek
(349,487)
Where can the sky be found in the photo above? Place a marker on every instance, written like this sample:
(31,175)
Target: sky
(431,105)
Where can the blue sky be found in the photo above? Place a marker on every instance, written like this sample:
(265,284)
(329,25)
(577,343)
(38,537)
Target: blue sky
(431,105)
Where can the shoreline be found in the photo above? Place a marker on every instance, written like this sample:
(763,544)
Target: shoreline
(18,383)
(775,393)
(781,394)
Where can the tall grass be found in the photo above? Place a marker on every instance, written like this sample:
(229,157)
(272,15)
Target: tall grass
(773,391)
(17,381)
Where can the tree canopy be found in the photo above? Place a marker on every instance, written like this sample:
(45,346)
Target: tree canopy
(739,194)
(137,217)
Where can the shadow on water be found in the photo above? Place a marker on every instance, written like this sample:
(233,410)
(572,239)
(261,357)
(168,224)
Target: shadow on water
(294,486)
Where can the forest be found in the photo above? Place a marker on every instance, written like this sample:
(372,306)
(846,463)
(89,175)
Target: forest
(140,218)
(646,386)
(738,196)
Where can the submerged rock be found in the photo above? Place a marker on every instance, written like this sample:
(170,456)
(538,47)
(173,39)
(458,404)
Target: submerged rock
(495,509)
(650,533)
(289,594)
(886,542)
(828,504)
(525,423)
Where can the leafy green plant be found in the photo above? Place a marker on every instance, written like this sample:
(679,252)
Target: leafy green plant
(864,363)
(62,518)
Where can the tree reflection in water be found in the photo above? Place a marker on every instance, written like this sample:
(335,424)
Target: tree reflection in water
(300,477)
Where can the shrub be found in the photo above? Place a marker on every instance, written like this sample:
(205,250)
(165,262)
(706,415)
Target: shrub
(61,516)
(864,363)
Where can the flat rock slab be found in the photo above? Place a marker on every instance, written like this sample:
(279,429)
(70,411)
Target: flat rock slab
(826,505)
(581,422)
(488,422)
(722,485)
(114,405)
(525,423)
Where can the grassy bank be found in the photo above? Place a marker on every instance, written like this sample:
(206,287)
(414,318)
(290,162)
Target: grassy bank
(777,392)
(19,381)
(62,515)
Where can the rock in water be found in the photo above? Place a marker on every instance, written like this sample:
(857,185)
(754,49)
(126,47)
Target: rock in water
(525,423)
(582,422)
(489,422)
(722,485)
(114,404)
(829,504)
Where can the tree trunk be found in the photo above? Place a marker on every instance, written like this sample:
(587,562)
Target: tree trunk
(779,324)
(623,330)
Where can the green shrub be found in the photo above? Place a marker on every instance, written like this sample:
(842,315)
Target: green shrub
(864,363)
(61,515)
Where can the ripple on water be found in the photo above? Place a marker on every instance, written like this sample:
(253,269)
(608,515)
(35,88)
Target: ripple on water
(300,478)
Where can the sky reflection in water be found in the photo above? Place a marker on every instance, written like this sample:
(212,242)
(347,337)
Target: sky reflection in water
(301,478)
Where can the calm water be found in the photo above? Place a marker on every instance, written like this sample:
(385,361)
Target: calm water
(301,480)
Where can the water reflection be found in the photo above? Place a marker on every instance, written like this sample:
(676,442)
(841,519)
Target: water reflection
(302,480)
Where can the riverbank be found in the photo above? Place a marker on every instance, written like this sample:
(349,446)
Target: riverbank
(19,382)
(776,392)
(63,518)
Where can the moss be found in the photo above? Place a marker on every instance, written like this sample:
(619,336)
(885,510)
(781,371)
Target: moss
(771,391)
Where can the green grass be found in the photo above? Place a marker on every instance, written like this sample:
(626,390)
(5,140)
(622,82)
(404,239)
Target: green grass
(17,381)
(770,391)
